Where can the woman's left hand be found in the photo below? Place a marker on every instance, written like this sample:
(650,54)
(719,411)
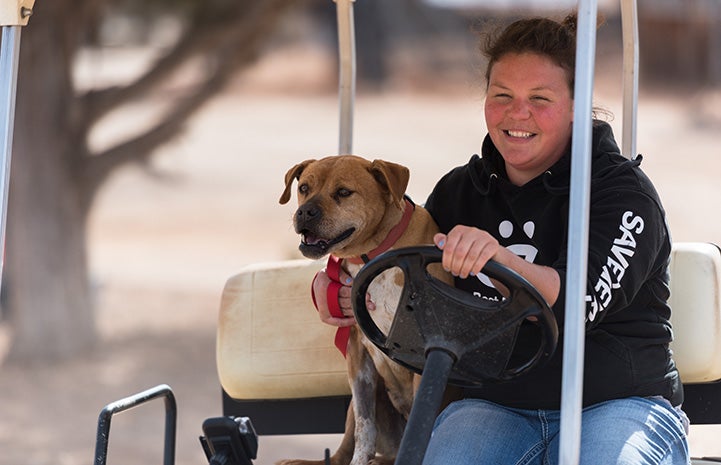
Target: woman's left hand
(466,250)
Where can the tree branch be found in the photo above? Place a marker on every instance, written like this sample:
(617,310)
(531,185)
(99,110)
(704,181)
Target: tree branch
(237,46)
(202,36)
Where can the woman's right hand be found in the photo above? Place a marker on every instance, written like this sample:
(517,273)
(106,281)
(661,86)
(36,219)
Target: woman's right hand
(320,290)
(466,250)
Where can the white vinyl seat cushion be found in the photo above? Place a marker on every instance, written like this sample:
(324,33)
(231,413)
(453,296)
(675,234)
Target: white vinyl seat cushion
(271,344)
(696,311)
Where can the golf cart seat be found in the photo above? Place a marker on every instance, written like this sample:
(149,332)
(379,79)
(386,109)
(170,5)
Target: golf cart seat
(276,361)
(278,365)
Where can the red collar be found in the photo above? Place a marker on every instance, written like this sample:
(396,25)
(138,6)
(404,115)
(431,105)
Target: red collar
(393,235)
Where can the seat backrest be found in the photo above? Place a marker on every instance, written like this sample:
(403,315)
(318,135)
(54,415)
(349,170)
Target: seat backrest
(271,344)
(696,311)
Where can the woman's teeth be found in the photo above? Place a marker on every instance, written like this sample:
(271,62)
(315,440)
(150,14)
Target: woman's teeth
(522,134)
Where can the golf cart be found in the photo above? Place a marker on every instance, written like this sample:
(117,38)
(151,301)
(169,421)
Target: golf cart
(278,367)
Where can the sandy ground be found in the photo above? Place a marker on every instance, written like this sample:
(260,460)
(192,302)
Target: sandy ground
(162,246)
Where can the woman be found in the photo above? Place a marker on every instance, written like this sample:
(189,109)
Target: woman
(511,205)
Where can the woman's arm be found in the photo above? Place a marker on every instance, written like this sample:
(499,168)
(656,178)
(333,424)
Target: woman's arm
(467,249)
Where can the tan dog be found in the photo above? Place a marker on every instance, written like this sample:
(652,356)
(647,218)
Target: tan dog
(351,207)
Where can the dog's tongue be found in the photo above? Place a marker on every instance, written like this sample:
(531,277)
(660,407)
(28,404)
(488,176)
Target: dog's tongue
(312,240)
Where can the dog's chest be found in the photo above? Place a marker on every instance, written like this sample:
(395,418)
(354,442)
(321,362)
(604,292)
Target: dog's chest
(385,293)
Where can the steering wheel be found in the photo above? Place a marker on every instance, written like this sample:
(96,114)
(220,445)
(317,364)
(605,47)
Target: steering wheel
(480,335)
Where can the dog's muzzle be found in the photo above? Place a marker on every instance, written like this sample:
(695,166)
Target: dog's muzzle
(314,244)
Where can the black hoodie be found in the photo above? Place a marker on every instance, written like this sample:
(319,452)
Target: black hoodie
(627,316)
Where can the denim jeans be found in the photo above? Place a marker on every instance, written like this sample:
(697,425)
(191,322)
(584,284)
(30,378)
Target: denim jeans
(630,431)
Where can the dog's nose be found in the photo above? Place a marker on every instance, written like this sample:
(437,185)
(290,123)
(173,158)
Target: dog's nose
(307,212)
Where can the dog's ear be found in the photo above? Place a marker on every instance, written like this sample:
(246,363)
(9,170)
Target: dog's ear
(392,176)
(290,176)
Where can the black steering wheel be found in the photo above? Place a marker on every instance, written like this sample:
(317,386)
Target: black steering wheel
(480,335)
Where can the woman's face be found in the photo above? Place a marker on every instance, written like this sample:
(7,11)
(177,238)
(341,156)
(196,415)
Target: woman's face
(529,113)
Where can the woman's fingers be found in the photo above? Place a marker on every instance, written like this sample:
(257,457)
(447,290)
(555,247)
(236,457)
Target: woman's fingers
(346,303)
(466,250)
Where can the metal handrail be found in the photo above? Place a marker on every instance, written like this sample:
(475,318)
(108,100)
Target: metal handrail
(347,80)
(9,56)
(629,24)
(579,205)
(171,414)
(14,14)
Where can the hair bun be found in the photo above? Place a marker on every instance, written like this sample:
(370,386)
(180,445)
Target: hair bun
(570,23)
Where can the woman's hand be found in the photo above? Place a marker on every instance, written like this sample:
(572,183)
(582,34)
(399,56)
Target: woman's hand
(320,290)
(466,250)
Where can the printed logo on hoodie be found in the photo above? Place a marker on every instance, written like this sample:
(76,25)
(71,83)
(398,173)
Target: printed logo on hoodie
(526,251)
(617,262)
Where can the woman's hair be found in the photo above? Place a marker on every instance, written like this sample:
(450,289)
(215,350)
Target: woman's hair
(541,36)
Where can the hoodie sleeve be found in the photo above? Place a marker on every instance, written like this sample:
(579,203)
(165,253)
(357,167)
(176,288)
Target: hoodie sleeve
(628,249)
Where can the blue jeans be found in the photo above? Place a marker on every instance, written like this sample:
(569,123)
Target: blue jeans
(631,431)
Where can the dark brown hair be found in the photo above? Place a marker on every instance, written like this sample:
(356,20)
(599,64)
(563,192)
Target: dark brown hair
(541,36)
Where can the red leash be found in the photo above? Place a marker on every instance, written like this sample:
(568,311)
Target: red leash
(342,335)
(332,269)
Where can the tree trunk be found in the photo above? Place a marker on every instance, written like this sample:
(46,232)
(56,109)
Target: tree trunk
(46,264)
(54,177)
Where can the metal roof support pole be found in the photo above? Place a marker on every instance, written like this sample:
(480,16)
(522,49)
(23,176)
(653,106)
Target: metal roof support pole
(629,22)
(9,52)
(573,339)
(13,15)
(346,87)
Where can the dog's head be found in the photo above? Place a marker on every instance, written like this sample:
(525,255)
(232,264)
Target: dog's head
(343,202)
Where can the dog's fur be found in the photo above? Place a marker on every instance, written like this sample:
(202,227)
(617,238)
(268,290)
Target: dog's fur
(347,206)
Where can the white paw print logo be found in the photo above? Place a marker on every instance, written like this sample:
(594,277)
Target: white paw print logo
(525,251)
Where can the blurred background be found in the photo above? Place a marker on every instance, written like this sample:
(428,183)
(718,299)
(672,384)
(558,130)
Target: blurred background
(151,141)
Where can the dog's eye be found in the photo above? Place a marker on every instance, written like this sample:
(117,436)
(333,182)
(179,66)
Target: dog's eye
(342,192)
(303,188)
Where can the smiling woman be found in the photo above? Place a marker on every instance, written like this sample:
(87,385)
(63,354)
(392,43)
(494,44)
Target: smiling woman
(517,194)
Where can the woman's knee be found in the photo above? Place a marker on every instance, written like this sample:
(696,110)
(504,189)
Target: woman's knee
(633,431)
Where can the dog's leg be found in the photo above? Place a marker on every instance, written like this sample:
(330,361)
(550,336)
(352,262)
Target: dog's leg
(390,423)
(363,378)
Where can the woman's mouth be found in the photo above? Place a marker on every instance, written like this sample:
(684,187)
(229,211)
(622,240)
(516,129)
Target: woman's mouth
(518,134)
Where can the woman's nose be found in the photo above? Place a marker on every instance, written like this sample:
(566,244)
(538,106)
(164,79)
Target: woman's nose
(519,109)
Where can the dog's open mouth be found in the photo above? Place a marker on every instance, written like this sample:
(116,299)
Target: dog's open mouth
(314,246)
